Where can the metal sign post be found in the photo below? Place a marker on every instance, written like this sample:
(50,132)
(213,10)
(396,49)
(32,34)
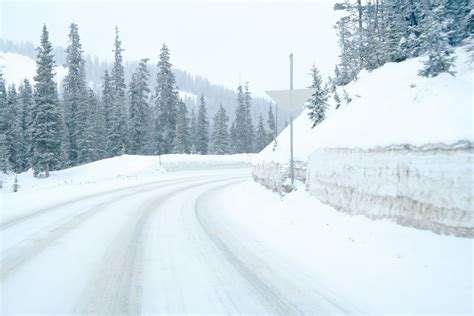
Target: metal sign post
(289,99)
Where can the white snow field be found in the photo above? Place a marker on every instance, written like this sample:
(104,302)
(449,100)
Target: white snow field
(123,236)
(16,68)
(401,149)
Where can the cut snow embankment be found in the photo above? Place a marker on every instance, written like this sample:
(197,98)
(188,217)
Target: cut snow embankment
(103,176)
(402,148)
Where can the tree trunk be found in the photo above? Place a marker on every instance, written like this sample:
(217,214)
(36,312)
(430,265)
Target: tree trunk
(46,170)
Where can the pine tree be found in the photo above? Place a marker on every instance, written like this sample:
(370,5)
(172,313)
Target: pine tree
(165,104)
(3,125)
(202,129)
(86,115)
(108,112)
(261,135)
(118,133)
(12,135)
(100,130)
(436,43)
(248,120)
(46,114)
(220,133)
(192,131)
(318,103)
(140,112)
(182,141)
(26,107)
(242,129)
(271,124)
(75,99)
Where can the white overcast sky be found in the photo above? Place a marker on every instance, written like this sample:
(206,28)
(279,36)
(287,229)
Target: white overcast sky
(221,40)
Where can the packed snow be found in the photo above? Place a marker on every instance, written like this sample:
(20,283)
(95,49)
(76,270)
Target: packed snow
(390,105)
(16,68)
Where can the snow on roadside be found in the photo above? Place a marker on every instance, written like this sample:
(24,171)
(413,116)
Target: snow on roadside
(378,266)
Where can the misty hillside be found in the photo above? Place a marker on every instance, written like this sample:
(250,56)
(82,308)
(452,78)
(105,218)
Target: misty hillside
(190,86)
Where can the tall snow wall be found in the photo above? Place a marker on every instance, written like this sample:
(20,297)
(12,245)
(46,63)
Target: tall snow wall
(427,187)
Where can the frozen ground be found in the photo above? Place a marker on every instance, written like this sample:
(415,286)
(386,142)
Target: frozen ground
(212,241)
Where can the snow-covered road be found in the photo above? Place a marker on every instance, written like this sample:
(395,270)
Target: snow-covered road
(148,248)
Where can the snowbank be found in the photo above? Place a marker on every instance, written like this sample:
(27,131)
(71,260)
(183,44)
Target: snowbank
(402,148)
(127,167)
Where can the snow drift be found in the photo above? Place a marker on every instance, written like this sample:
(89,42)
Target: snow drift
(401,148)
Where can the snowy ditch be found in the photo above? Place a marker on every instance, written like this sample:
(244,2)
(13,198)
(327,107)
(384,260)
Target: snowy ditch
(427,187)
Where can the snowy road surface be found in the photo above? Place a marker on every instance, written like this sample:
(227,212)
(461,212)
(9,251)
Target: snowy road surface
(149,248)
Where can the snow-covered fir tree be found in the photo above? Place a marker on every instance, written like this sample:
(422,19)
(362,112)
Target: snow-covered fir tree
(86,144)
(25,109)
(271,124)
(242,129)
(99,127)
(182,136)
(220,133)
(165,104)
(74,99)
(436,42)
(202,128)
(140,112)
(12,139)
(192,132)
(3,124)
(107,103)
(118,133)
(46,113)
(318,102)
(261,137)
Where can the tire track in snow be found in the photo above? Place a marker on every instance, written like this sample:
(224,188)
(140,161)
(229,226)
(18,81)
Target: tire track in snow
(117,285)
(260,275)
(32,215)
(17,255)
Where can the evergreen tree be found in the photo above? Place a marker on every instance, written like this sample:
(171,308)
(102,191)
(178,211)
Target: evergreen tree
(165,104)
(12,136)
(271,124)
(118,136)
(436,43)
(220,133)
(248,120)
(192,130)
(108,114)
(3,125)
(140,112)
(100,128)
(46,114)
(75,99)
(261,136)
(86,116)
(202,129)
(182,141)
(242,129)
(26,107)
(318,103)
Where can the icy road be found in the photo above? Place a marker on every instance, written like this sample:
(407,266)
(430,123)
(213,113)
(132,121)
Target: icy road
(155,247)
